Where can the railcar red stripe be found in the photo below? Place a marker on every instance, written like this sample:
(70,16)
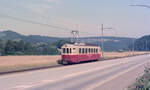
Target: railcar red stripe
(79,58)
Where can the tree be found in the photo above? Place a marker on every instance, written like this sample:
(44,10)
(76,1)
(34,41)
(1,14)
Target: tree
(9,47)
(20,46)
(26,48)
(1,47)
(60,43)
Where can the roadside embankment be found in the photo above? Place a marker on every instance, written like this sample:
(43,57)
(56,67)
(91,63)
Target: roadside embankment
(10,64)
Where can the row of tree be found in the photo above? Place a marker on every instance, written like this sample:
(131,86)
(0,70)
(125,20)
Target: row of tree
(20,47)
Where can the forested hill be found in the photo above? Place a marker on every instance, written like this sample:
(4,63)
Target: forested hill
(143,43)
(11,35)
(110,43)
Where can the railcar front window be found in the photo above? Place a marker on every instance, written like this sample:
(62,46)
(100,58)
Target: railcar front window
(64,50)
(96,50)
(70,50)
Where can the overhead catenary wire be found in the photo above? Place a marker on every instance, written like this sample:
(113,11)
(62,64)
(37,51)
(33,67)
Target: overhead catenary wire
(34,22)
(47,25)
(146,6)
(43,24)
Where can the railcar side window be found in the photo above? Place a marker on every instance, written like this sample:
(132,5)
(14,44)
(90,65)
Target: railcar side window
(83,50)
(89,50)
(86,51)
(70,50)
(80,50)
(92,50)
(67,50)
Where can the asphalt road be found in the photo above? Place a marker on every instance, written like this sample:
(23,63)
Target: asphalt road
(102,75)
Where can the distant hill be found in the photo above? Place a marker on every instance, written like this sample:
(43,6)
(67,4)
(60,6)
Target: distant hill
(110,43)
(11,35)
(143,43)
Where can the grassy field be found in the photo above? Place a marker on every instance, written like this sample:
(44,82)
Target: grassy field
(11,63)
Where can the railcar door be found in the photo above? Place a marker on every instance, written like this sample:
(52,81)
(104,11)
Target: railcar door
(77,53)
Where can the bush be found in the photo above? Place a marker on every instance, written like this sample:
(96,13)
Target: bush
(143,82)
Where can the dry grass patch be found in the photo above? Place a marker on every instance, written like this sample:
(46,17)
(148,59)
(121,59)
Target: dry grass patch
(9,63)
(109,55)
(12,63)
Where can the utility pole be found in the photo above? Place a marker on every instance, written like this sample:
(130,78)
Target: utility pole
(146,46)
(133,48)
(102,39)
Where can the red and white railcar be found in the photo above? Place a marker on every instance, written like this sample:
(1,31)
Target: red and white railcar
(75,53)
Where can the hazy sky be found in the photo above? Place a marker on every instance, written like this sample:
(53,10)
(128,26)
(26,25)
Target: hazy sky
(83,15)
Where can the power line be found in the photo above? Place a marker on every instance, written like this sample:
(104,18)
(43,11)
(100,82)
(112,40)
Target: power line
(146,6)
(43,24)
(33,22)
(39,23)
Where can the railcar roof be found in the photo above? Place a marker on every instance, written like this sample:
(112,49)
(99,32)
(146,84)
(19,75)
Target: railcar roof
(76,45)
